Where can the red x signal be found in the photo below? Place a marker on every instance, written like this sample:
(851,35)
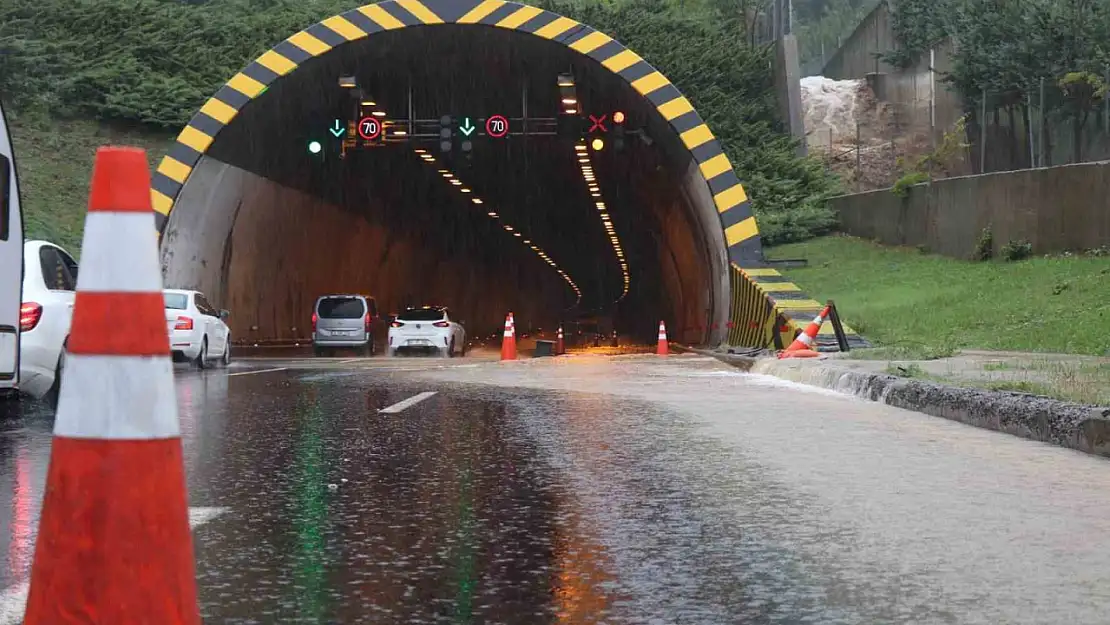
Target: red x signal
(598,123)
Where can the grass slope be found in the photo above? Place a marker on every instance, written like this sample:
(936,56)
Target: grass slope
(55,163)
(930,306)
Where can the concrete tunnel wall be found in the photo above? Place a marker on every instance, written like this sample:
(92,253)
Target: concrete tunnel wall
(695,287)
(266,252)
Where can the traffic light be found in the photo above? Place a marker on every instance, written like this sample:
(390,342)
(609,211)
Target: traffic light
(618,130)
(446,133)
(571,127)
(315,147)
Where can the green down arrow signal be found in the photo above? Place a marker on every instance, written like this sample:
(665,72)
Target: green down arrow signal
(337,129)
(467,128)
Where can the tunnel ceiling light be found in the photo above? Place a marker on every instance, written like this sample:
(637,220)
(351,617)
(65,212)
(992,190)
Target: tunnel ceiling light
(399,133)
(369,103)
(378,113)
(570,101)
(464,190)
(516,234)
(492,214)
(476,201)
(579,148)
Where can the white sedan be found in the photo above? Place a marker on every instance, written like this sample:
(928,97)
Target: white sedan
(49,289)
(427,329)
(198,332)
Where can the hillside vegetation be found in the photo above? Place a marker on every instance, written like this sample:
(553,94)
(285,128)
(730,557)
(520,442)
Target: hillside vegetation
(143,67)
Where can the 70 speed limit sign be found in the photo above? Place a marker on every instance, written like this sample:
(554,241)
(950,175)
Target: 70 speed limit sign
(369,128)
(497,126)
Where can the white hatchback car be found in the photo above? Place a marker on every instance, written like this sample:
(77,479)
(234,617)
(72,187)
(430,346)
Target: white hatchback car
(49,289)
(427,329)
(198,332)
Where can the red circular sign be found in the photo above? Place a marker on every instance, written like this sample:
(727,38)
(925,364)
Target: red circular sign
(497,126)
(369,128)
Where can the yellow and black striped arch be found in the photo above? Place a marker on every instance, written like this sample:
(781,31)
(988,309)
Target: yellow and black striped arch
(737,221)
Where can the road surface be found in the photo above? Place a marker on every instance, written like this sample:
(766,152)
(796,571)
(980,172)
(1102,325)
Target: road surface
(591,489)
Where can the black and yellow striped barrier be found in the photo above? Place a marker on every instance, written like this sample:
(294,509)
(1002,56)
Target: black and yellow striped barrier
(738,224)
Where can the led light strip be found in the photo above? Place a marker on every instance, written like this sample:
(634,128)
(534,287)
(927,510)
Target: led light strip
(455,182)
(583,156)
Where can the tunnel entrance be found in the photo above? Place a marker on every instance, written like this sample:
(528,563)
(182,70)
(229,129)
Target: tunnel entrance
(262,207)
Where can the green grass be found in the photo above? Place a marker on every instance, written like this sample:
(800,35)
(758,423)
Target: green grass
(55,163)
(916,305)
(1082,382)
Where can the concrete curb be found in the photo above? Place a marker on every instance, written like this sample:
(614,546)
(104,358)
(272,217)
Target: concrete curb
(1076,426)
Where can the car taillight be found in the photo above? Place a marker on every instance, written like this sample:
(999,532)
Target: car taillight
(183,323)
(441,324)
(30,313)
(315,318)
(396,324)
(368,322)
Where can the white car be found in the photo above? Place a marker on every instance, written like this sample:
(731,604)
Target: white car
(49,288)
(198,332)
(427,329)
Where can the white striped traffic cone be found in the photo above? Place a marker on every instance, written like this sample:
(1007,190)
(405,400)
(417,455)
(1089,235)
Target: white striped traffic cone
(114,544)
(662,347)
(802,347)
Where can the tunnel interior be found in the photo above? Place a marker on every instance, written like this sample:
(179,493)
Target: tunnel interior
(264,226)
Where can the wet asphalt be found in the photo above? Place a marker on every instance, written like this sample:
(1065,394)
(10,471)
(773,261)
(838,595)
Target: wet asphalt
(599,490)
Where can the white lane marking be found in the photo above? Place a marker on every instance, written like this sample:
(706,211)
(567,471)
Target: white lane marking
(411,401)
(13,601)
(343,362)
(259,371)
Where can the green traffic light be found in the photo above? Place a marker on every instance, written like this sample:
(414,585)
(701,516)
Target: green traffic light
(315,147)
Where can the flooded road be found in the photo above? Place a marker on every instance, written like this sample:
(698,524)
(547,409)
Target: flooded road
(600,490)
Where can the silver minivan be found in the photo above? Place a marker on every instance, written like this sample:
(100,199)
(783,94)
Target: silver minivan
(344,321)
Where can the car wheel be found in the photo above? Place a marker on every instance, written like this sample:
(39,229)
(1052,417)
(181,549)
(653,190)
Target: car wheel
(319,352)
(202,358)
(227,353)
(451,349)
(56,387)
(367,350)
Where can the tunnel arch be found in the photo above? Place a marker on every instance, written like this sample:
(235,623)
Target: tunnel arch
(748,311)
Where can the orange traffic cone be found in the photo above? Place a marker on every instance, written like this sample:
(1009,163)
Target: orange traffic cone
(114,544)
(802,347)
(560,345)
(508,342)
(662,348)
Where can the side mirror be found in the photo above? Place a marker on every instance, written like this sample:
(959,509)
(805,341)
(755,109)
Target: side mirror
(224,315)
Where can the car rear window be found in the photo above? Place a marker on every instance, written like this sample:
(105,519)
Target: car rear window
(421,314)
(340,308)
(176,301)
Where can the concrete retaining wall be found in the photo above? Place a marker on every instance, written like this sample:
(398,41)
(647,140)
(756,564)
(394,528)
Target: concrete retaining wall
(1055,209)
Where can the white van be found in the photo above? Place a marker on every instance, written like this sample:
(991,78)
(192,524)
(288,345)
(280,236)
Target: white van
(11,263)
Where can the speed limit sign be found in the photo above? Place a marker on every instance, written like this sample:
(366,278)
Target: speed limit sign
(497,126)
(369,128)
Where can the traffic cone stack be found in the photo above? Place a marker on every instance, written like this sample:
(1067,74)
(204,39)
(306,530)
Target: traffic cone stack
(508,342)
(662,349)
(114,544)
(560,345)
(802,347)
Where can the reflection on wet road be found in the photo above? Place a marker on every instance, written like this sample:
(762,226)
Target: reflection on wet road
(598,490)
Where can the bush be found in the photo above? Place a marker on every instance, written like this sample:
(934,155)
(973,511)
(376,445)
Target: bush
(903,185)
(1017,250)
(984,247)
